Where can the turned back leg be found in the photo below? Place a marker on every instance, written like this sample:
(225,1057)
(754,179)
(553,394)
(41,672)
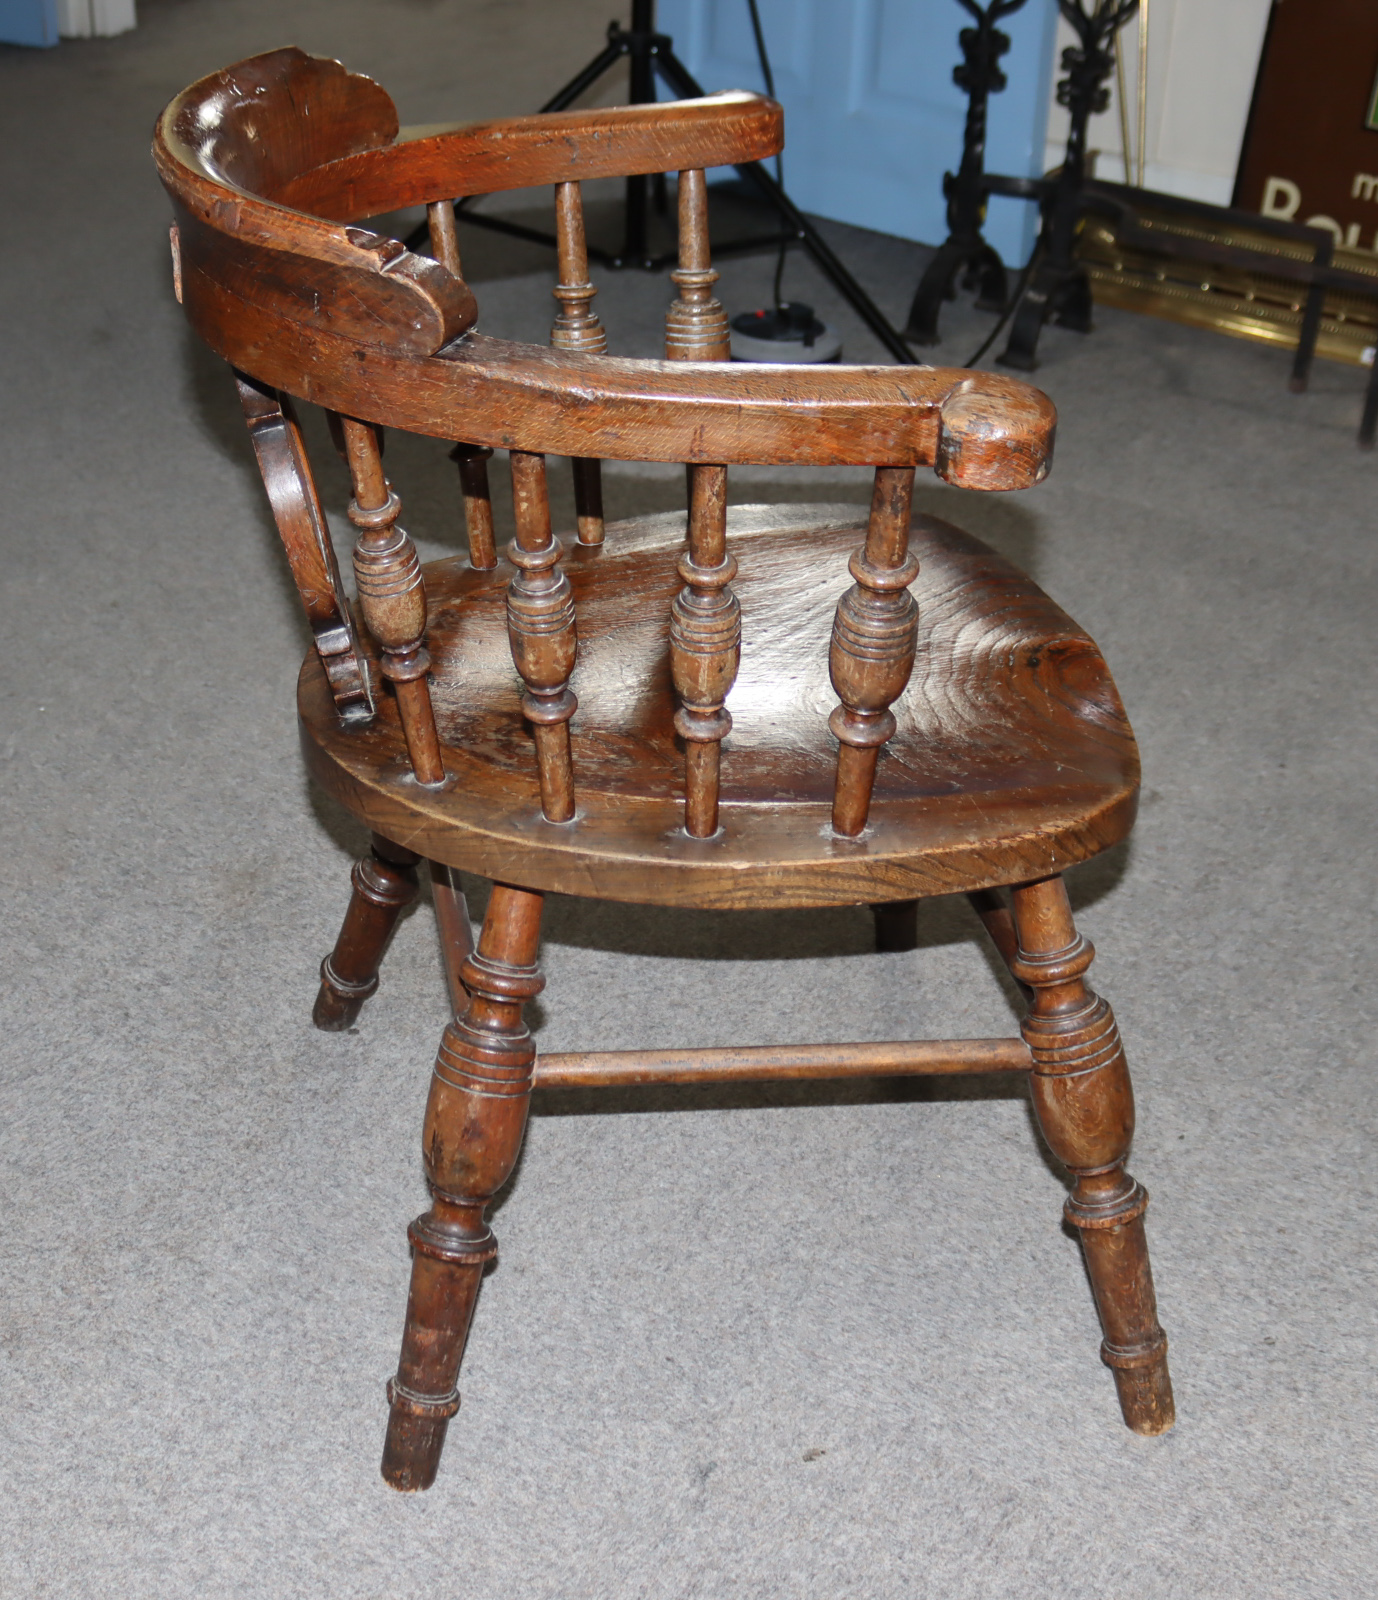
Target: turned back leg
(1085,1107)
(897,924)
(384,884)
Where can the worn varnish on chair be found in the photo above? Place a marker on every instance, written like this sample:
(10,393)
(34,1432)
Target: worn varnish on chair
(744,706)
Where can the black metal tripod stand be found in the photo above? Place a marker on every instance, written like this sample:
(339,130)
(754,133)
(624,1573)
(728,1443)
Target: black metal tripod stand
(652,54)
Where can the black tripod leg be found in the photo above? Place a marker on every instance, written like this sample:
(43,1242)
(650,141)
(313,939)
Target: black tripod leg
(634,249)
(590,75)
(934,287)
(842,280)
(678,77)
(641,90)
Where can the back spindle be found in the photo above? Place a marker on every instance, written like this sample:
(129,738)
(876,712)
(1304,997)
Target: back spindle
(577,327)
(705,646)
(440,216)
(392,596)
(695,325)
(875,635)
(472,461)
(540,630)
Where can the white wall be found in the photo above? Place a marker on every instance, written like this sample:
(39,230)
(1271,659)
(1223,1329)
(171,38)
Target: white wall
(1202,59)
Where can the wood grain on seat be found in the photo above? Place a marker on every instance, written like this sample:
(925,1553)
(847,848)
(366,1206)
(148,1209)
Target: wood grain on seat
(1012,744)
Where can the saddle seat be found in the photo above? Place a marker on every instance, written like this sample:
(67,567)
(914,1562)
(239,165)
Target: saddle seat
(1013,757)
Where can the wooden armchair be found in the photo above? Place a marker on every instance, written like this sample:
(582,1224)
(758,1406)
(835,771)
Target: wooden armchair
(604,716)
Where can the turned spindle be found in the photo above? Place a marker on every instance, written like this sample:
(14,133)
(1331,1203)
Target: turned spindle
(540,630)
(875,635)
(705,646)
(1085,1107)
(392,596)
(695,325)
(472,461)
(588,498)
(577,327)
(440,216)
(475,1119)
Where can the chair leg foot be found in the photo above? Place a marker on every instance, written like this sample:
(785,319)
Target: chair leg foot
(475,1120)
(411,1453)
(384,884)
(1146,1396)
(423,1397)
(338,1003)
(1084,1102)
(1135,1347)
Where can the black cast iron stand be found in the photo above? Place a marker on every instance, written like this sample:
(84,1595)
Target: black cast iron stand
(966,252)
(1058,287)
(652,54)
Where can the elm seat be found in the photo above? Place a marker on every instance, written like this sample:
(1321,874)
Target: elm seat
(1010,729)
(762,706)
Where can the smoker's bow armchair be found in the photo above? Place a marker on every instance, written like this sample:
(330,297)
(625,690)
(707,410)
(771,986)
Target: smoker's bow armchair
(602,715)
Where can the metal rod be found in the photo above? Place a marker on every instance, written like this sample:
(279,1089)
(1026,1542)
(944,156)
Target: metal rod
(1143,87)
(764,1063)
(1311,321)
(1122,101)
(1368,423)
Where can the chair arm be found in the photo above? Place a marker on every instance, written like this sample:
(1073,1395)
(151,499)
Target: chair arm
(439,163)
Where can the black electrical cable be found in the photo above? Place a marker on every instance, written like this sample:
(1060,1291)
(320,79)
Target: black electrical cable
(769,77)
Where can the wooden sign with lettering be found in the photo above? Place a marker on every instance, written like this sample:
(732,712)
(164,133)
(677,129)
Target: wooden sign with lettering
(1311,149)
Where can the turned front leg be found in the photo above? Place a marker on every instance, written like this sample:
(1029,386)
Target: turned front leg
(384,884)
(475,1119)
(1085,1106)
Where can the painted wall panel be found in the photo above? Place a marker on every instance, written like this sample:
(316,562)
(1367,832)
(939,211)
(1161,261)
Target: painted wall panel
(32,22)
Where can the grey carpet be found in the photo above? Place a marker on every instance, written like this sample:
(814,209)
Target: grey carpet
(824,1342)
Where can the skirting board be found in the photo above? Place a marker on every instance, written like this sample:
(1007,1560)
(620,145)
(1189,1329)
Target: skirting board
(88,19)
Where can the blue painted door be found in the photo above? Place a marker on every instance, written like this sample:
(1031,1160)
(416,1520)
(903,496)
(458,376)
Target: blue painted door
(28,22)
(872,116)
